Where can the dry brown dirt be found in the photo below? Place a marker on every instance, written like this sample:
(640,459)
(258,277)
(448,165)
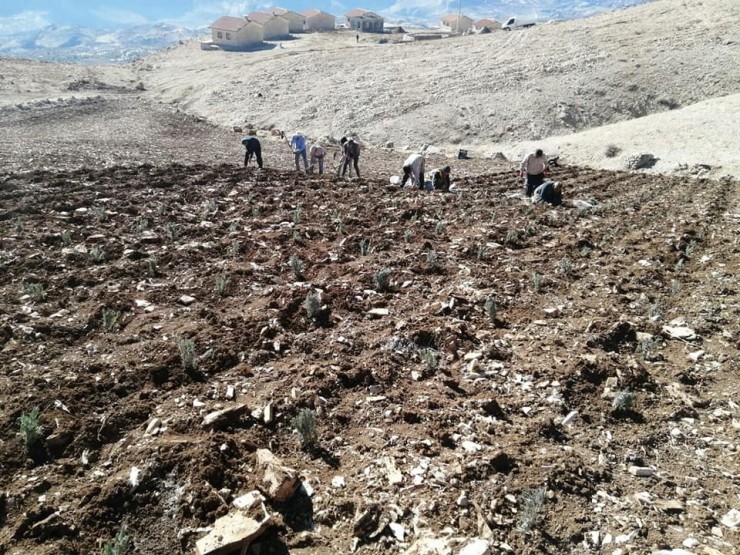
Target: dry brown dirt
(459,402)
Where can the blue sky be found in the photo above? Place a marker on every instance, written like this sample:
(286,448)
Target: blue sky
(26,15)
(32,14)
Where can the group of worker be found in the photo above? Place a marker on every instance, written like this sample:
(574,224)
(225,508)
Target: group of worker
(533,169)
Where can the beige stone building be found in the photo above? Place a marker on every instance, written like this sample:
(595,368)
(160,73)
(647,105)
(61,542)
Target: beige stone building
(316,20)
(236,33)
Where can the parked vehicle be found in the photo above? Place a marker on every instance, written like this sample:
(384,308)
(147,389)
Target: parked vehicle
(518,23)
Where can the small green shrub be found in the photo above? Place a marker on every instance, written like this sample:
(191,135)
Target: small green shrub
(66,238)
(512,237)
(297,214)
(408,235)
(624,401)
(97,255)
(173,231)
(35,290)
(481,253)
(430,358)
(305,424)
(383,279)
(296,264)
(565,266)
(119,545)
(153,266)
(537,281)
(533,501)
(365,247)
(491,309)
(234,249)
(110,319)
(187,354)
(312,304)
(30,428)
(222,284)
(432,257)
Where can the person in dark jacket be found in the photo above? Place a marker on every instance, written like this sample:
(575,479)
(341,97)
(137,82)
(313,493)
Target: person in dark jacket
(254,148)
(350,154)
(441,179)
(549,192)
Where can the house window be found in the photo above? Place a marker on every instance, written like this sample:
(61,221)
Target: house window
(220,35)
(228,36)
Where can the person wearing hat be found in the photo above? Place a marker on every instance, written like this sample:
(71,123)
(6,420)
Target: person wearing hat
(298,144)
(441,179)
(254,148)
(550,192)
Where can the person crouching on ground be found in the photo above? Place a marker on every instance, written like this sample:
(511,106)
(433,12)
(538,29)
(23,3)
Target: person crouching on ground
(441,179)
(350,155)
(298,144)
(550,192)
(254,148)
(317,153)
(534,166)
(413,168)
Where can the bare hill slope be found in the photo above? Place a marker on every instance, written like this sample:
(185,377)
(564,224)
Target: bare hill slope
(553,79)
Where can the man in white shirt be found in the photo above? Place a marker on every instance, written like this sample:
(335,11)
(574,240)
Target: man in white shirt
(413,167)
(317,153)
(534,166)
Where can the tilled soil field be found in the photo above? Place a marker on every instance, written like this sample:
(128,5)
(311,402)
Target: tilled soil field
(485,375)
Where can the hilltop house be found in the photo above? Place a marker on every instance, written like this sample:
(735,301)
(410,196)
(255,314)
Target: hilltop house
(457,23)
(235,33)
(296,21)
(274,27)
(316,20)
(364,20)
(489,24)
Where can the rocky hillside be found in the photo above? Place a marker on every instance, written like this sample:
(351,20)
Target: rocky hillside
(552,79)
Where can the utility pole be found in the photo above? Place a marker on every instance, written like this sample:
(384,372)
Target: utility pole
(459,11)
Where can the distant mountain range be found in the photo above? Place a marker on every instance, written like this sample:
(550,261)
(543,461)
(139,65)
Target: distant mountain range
(93,46)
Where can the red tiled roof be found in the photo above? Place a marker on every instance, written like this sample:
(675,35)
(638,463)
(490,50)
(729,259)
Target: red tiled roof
(452,17)
(260,17)
(485,23)
(229,23)
(357,13)
(310,13)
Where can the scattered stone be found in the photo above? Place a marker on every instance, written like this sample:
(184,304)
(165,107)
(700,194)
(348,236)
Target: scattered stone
(268,413)
(230,393)
(398,531)
(338,482)
(155,424)
(471,446)
(462,500)
(234,532)
(395,476)
(220,417)
(276,481)
(477,546)
(569,419)
(552,312)
(679,332)
(696,356)
(640,161)
(641,471)
(249,500)
(378,312)
(672,552)
(731,519)
(670,506)
(186,300)
(367,521)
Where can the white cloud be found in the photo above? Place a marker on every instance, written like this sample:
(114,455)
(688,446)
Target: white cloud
(122,17)
(205,12)
(427,7)
(24,21)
